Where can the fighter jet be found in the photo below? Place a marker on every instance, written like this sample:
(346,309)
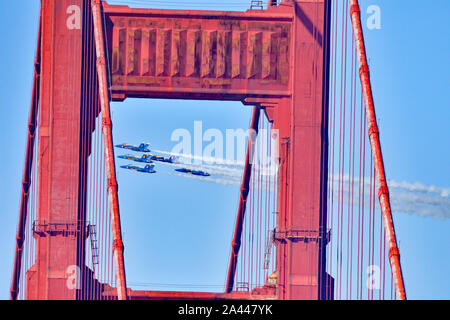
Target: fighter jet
(143,147)
(147,169)
(171,159)
(194,172)
(148,158)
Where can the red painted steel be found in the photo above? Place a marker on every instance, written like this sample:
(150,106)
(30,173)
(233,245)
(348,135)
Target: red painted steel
(185,295)
(196,54)
(275,58)
(26,180)
(302,124)
(245,187)
(63,147)
(58,145)
(256,55)
(109,153)
(383,191)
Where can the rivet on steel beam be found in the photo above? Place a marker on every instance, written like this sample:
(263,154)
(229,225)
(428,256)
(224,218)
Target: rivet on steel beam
(373,129)
(236,246)
(19,242)
(364,69)
(106,122)
(394,252)
(101,61)
(354,8)
(383,190)
(244,191)
(118,244)
(37,68)
(26,186)
(112,183)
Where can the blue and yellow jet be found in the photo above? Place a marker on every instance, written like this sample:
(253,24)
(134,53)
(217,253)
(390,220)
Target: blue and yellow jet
(171,159)
(143,147)
(145,158)
(148,158)
(147,169)
(194,172)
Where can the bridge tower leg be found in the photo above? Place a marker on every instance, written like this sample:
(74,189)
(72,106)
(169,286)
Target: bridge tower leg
(302,121)
(66,102)
(60,229)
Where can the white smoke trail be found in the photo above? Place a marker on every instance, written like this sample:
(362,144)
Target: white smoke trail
(231,173)
(228,175)
(226,182)
(202,159)
(212,166)
(413,187)
(419,187)
(411,198)
(263,184)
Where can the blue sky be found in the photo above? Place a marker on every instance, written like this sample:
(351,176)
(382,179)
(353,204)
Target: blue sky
(179,230)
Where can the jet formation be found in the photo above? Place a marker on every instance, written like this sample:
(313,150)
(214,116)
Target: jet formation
(149,159)
(143,147)
(147,169)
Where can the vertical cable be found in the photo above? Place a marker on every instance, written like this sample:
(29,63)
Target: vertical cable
(109,154)
(383,191)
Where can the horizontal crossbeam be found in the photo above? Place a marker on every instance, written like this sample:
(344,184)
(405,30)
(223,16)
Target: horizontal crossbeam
(180,295)
(198,54)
